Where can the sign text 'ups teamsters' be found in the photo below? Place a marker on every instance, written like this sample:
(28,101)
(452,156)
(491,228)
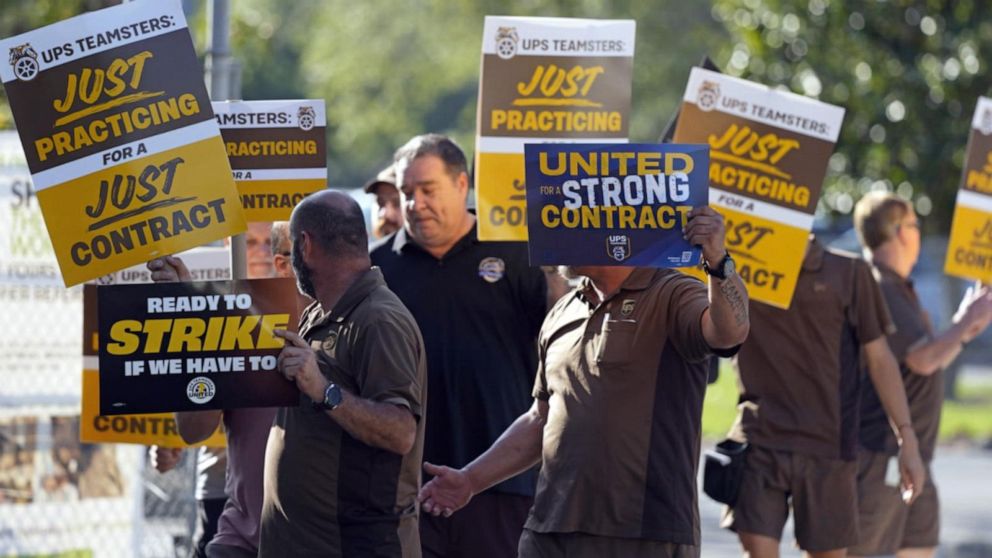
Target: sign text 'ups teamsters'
(117,129)
(610,204)
(278,153)
(194,346)
(769,151)
(544,79)
(969,253)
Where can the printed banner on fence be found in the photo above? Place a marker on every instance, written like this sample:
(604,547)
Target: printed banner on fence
(205,264)
(194,346)
(278,153)
(969,250)
(769,151)
(542,80)
(125,155)
(606,204)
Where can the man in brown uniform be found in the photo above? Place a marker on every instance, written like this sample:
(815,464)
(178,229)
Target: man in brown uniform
(890,232)
(342,468)
(617,409)
(800,379)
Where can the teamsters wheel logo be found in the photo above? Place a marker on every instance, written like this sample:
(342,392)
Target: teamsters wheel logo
(709,94)
(307,118)
(506,42)
(200,390)
(24,60)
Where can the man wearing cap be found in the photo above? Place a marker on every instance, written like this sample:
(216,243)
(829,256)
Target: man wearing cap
(388,217)
(479,306)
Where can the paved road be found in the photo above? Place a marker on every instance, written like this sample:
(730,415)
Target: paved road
(964,479)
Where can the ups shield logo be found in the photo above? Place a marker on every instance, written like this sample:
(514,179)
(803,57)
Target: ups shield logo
(618,247)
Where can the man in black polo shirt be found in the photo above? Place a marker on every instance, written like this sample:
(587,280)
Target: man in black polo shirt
(479,307)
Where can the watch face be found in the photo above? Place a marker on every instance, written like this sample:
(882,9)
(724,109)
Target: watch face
(332,396)
(729,267)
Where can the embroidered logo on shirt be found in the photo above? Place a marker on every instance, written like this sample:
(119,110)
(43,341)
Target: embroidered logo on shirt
(200,390)
(329,343)
(492,269)
(627,308)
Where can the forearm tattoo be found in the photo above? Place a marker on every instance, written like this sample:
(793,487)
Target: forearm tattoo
(733,295)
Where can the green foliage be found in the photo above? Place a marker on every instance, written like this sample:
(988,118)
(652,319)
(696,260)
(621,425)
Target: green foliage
(391,70)
(720,405)
(909,73)
(20,17)
(970,417)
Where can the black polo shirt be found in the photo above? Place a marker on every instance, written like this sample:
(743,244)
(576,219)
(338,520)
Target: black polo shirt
(479,308)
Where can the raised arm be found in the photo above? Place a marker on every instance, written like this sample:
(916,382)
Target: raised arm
(971,319)
(516,450)
(726,323)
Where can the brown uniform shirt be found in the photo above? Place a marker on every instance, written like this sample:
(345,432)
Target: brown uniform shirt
(800,372)
(327,493)
(624,381)
(925,394)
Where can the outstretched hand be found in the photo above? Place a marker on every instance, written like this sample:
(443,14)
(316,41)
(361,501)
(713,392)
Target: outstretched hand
(449,490)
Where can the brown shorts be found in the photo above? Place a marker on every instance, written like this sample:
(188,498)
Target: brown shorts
(886,524)
(821,491)
(488,527)
(581,545)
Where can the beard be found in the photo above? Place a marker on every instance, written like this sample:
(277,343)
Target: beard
(304,274)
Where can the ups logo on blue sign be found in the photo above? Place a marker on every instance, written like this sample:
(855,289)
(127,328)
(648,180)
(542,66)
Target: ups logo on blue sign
(618,247)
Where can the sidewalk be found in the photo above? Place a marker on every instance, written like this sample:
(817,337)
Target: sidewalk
(964,481)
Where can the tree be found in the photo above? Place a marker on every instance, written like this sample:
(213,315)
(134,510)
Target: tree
(909,73)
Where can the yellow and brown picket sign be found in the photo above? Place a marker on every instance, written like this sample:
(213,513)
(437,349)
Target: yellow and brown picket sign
(120,138)
(544,80)
(278,153)
(969,250)
(768,155)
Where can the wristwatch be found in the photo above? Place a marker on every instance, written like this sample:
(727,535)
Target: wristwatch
(723,269)
(332,398)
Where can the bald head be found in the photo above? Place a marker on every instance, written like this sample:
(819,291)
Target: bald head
(335,222)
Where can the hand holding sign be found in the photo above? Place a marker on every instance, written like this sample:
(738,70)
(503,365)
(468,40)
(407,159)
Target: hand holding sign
(298,362)
(169,269)
(975,311)
(706,230)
